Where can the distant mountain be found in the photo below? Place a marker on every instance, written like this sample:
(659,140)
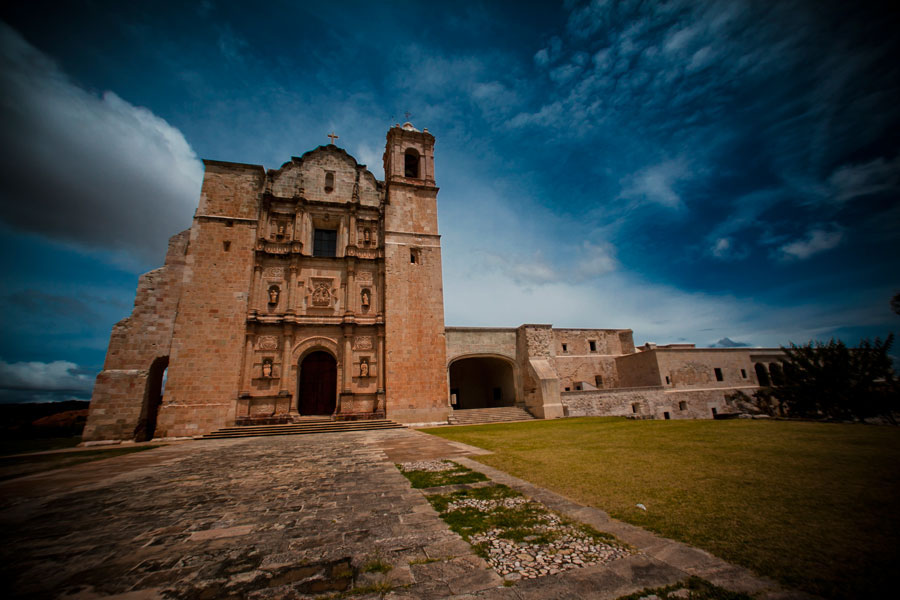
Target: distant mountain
(729,343)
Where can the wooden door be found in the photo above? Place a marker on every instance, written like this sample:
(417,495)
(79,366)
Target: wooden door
(318,384)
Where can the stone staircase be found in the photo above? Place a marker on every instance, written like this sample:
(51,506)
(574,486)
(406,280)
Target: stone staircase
(304,426)
(479,416)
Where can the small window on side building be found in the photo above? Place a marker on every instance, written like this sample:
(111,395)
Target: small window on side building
(593,345)
(565,347)
(668,381)
(682,405)
(329,181)
(719,376)
(598,380)
(666,416)
(743,374)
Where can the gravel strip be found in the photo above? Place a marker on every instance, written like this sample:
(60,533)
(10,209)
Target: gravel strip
(571,548)
(430,466)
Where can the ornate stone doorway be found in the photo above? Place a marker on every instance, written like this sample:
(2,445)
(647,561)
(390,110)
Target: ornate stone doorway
(318,384)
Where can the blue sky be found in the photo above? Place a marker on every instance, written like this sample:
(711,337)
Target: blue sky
(696,171)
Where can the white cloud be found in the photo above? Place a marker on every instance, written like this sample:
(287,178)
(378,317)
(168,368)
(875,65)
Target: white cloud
(58,375)
(701,59)
(564,73)
(853,181)
(533,270)
(596,259)
(721,247)
(816,241)
(98,172)
(542,57)
(657,183)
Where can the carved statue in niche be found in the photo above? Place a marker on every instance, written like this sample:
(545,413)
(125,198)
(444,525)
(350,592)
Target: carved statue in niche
(366,299)
(367,236)
(274,293)
(321,295)
(364,367)
(267,368)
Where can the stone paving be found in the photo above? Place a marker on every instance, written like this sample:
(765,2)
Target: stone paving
(276,517)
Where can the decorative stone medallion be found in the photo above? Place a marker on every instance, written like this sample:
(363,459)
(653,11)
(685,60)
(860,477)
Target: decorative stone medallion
(362,342)
(274,272)
(267,342)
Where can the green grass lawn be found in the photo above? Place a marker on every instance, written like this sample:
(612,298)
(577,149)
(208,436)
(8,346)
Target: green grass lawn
(813,505)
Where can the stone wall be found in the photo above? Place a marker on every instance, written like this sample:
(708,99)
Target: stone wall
(650,402)
(121,392)
(539,381)
(638,370)
(205,363)
(480,341)
(696,368)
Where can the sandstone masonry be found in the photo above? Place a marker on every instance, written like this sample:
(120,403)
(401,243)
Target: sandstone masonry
(315,289)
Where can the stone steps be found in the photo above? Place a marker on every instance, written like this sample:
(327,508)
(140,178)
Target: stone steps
(479,416)
(302,428)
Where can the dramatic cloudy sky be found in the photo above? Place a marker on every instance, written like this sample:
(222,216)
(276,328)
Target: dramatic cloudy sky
(713,172)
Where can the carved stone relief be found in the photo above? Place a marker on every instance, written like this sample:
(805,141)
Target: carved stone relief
(267,342)
(362,342)
(364,277)
(273,272)
(322,293)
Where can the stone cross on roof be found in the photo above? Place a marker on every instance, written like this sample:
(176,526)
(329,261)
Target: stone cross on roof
(333,136)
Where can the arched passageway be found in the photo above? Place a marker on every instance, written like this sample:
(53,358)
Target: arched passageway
(776,374)
(153,392)
(317,391)
(762,375)
(482,382)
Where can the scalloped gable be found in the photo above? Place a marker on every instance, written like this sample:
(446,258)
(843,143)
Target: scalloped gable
(308,173)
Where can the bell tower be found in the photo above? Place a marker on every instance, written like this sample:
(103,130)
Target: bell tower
(415,345)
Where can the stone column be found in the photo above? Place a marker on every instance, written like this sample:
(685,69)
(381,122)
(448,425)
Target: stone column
(290,277)
(379,356)
(287,343)
(347,379)
(254,291)
(248,365)
(350,296)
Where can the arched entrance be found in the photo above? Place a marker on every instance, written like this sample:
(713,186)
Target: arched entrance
(317,394)
(762,375)
(482,382)
(153,391)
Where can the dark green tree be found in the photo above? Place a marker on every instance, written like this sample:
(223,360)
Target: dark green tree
(832,381)
(895,303)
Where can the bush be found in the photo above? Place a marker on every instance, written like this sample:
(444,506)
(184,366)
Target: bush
(832,381)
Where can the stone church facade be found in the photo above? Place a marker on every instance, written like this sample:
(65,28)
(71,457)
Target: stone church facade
(315,289)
